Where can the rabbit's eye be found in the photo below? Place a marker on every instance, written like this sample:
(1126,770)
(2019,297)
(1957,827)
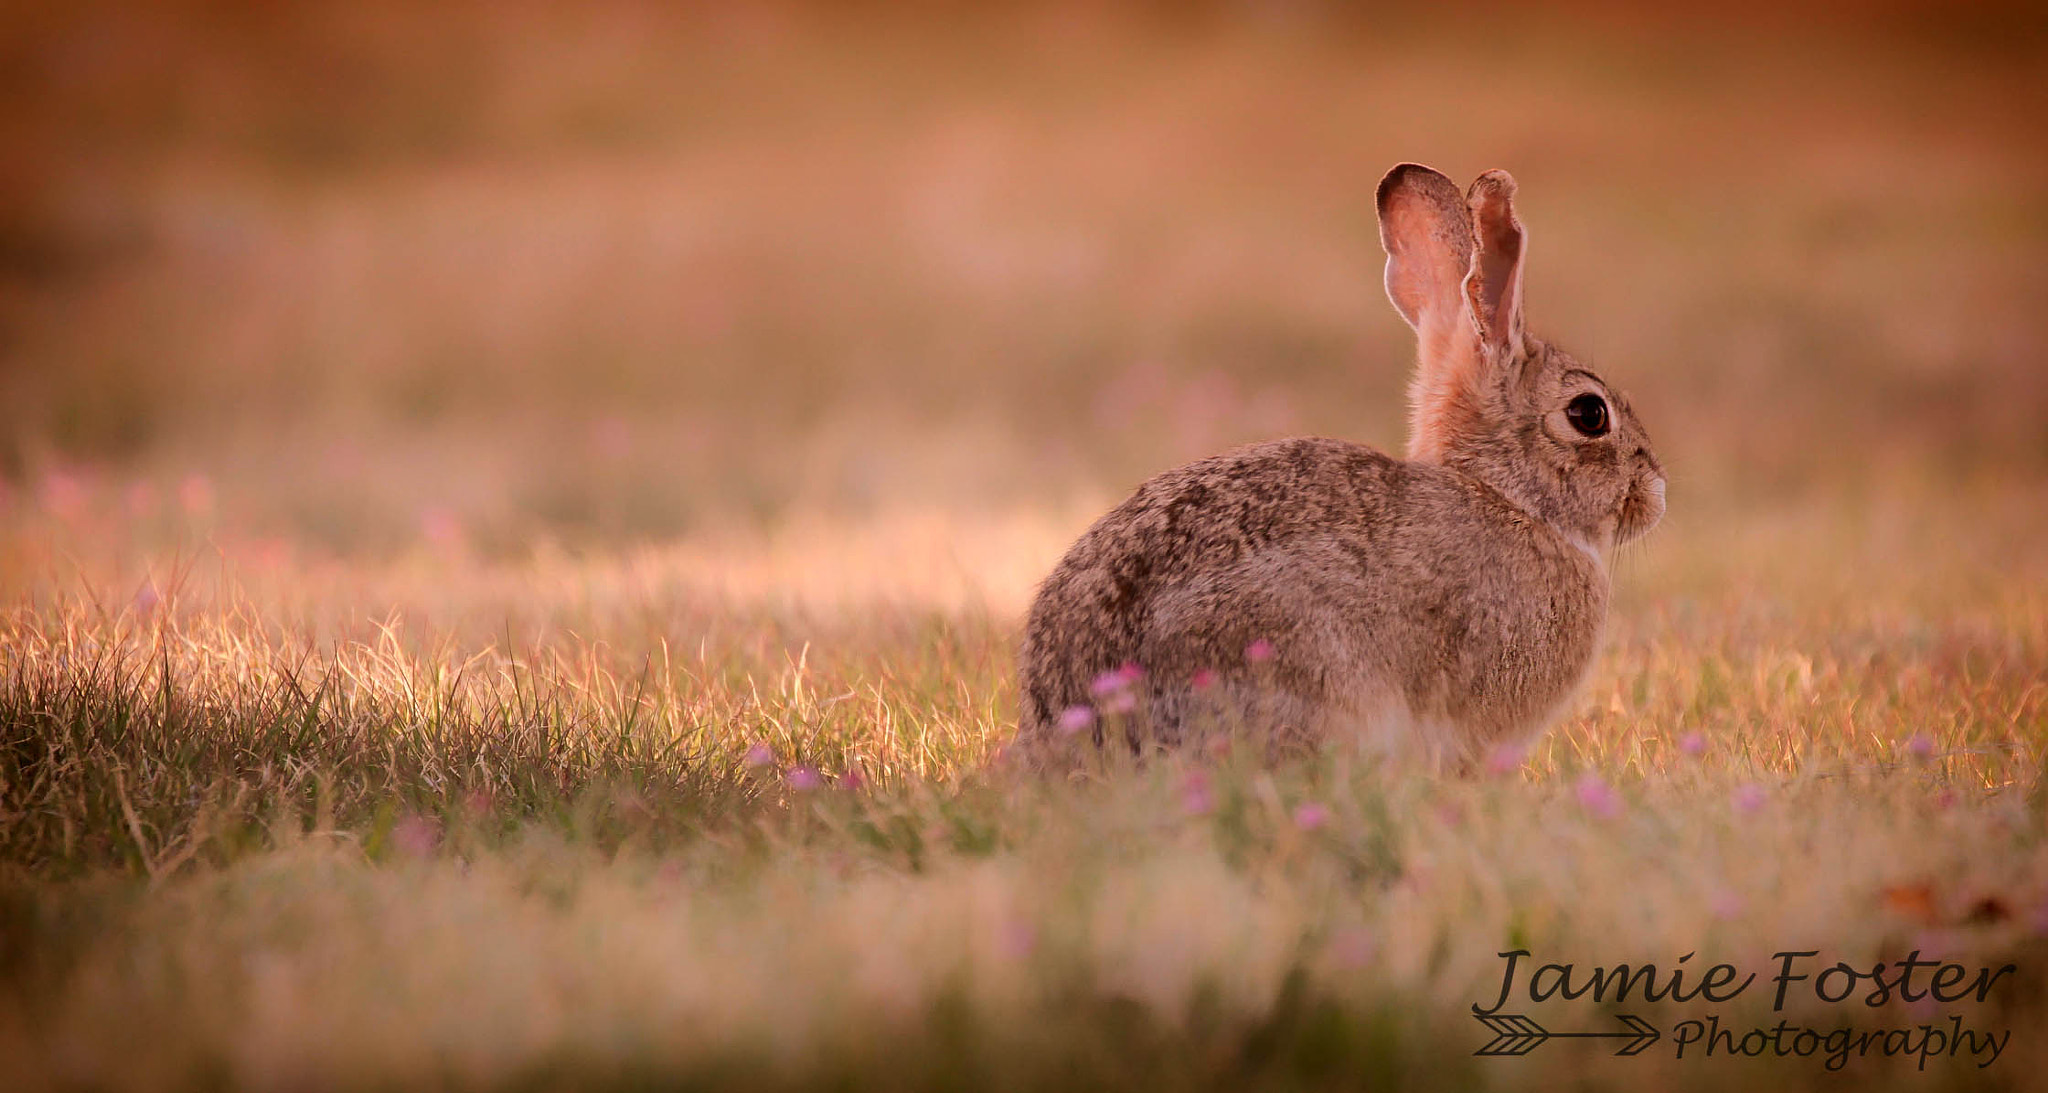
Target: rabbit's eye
(1588,414)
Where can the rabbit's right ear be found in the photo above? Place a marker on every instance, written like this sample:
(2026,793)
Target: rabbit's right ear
(1427,230)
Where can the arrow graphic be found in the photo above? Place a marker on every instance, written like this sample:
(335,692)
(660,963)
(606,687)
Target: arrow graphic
(1514,1034)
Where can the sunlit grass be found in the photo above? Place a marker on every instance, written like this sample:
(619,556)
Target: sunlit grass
(585,822)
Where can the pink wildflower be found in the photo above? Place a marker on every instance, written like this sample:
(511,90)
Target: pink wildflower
(1597,797)
(760,754)
(195,494)
(1309,816)
(416,835)
(804,779)
(64,495)
(1693,743)
(1015,939)
(441,527)
(1352,949)
(1750,798)
(1259,652)
(1075,718)
(1197,798)
(1505,759)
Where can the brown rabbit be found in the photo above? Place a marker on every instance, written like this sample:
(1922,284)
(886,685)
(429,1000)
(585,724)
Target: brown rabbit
(1321,591)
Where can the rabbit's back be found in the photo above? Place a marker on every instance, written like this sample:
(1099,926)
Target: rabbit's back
(1312,583)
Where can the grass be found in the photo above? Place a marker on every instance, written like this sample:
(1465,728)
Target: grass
(509,576)
(538,843)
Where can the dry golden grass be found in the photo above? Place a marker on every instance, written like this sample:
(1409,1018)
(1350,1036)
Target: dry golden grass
(508,830)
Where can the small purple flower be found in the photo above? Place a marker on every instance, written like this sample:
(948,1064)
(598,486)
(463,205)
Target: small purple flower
(195,495)
(1259,652)
(1117,680)
(1505,759)
(852,780)
(1353,948)
(1203,679)
(1693,743)
(1750,798)
(1597,797)
(441,528)
(64,495)
(804,779)
(1921,746)
(759,754)
(146,599)
(1197,797)
(416,835)
(1015,939)
(1075,718)
(1121,702)
(1309,815)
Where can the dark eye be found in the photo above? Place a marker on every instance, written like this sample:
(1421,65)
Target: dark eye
(1588,414)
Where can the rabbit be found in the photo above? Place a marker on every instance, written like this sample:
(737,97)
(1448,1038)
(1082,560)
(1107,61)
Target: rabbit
(1314,590)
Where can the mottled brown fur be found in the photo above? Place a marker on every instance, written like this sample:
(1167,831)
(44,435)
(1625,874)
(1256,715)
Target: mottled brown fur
(1432,606)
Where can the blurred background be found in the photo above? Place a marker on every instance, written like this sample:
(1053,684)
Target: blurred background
(366,275)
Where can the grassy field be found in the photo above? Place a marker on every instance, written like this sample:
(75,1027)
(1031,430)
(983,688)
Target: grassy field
(509,578)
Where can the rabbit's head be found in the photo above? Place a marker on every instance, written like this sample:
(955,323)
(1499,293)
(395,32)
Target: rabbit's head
(1514,412)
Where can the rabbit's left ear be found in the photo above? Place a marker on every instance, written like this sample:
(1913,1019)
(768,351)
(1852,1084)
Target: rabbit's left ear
(1493,287)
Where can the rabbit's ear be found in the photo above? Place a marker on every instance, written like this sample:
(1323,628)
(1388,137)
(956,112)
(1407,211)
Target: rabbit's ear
(1428,237)
(1494,285)
(1427,230)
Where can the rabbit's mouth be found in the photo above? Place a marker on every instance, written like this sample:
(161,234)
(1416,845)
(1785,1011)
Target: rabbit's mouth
(1641,510)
